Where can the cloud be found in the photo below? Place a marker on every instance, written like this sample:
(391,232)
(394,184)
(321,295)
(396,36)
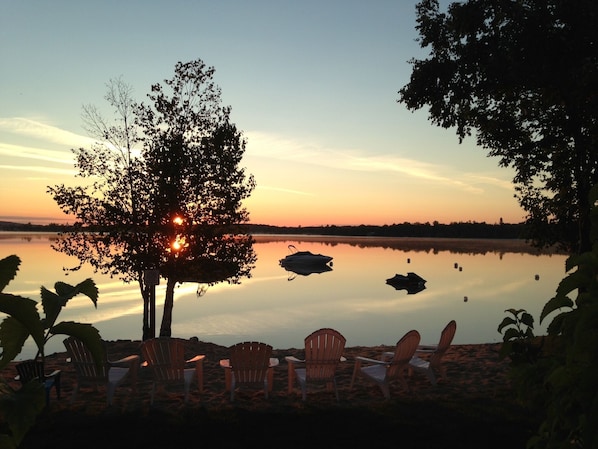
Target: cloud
(52,146)
(38,169)
(271,146)
(40,154)
(47,133)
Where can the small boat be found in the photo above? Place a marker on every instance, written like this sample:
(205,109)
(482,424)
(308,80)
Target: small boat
(413,283)
(304,258)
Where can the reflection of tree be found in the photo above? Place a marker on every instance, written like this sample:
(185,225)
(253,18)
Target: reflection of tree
(172,205)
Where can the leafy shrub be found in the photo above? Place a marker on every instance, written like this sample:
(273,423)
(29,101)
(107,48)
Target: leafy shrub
(562,379)
(19,408)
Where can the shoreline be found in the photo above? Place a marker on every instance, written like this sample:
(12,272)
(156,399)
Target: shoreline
(475,404)
(472,369)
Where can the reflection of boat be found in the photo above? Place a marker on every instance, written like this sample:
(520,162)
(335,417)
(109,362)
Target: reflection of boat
(413,283)
(306,270)
(304,259)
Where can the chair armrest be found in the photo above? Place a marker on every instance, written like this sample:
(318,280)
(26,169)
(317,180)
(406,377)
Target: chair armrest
(131,362)
(198,361)
(293,359)
(54,373)
(125,362)
(197,358)
(375,361)
(225,363)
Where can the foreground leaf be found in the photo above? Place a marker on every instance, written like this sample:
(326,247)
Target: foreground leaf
(8,270)
(12,338)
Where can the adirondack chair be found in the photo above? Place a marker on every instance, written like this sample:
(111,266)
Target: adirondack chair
(323,353)
(432,364)
(251,365)
(29,370)
(110,374)
(389,369)
(165,357)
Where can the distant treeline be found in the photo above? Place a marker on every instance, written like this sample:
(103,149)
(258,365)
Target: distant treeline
(428,230)
(28,227)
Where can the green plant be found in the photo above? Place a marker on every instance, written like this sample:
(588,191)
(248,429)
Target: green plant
(518,335)
(19,408)
(561,380)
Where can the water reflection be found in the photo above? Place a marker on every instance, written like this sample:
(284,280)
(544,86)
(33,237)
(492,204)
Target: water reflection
(353,297)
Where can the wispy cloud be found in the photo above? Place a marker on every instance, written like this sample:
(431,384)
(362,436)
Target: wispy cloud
(37,169)
(40,154)
(48,133)
(276,147)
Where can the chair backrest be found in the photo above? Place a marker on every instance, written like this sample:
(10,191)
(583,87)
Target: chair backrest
(84,364)
(166,358)
(446,338)
(404,351)
(323,351)
(31,369)
(250,361)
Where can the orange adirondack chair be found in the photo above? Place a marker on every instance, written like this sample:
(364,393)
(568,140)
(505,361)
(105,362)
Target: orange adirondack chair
(165,357)
(323,353)
(111,374)
(391,367)
(250,364)
(432,363)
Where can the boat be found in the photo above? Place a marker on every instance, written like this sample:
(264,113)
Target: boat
(412,282)
(304,259)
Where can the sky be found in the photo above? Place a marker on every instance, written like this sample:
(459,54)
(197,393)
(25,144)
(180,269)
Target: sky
(312,84)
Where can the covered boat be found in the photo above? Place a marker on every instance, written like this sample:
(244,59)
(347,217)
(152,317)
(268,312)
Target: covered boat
(413,283)
(304,259)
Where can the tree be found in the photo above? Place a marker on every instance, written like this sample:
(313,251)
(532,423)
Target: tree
(522,76)
(170,205)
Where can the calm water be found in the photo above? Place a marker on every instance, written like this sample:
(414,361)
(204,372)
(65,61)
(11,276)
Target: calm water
(281,309)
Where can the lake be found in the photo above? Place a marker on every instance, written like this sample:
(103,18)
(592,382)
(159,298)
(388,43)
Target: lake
(470,281)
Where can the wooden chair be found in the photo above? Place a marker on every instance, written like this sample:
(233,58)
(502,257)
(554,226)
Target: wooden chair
(323,353)
(432,364)
(250,364)
(392,366)
(29,370)
(165,357)
(110,374)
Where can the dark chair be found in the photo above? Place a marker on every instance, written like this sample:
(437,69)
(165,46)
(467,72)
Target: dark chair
(110,374)
(29,370)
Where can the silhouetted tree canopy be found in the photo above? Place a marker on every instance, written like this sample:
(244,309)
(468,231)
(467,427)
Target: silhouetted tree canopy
(164,190)
(522,77)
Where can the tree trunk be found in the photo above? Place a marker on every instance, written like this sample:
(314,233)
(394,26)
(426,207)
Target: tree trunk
(165,327)
(146,293)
